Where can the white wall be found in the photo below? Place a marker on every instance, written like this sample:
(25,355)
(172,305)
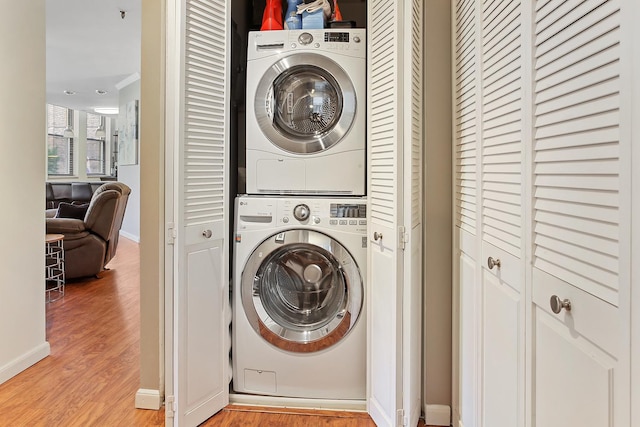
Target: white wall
(152,201)
(438,202)
(130,174)
(22,124)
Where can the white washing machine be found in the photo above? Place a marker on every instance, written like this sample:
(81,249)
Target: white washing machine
(299,326)
(306,112)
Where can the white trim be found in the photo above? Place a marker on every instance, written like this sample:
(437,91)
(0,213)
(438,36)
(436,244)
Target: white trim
(527,230)
(171,138)
(631,14)
(26,360)
(294,402)
(127,81)
(148,399)
(130,236)
(437,415)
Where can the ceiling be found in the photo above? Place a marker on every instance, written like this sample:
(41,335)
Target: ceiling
(91,47)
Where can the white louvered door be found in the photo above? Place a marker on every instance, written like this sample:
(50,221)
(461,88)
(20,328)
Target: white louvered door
(502,212)
(552,172)
(465,132)
(581,354)
(200,98)
(490,209)
(395,228)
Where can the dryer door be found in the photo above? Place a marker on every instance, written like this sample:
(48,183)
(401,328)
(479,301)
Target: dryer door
(305,103)
(302,291)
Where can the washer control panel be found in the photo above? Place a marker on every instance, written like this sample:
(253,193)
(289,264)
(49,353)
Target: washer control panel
(259,212)
(341,214)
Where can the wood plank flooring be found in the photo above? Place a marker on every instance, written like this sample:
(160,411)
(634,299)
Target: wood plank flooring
(246,416)
(92,374)
(240,415)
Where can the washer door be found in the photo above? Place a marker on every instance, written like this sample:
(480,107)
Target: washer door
(305,103)
(302,291)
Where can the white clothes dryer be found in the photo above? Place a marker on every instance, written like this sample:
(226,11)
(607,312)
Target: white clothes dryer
(299,326)
(306,112)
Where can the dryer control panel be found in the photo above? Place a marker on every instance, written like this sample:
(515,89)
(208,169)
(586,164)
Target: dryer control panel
(350,42)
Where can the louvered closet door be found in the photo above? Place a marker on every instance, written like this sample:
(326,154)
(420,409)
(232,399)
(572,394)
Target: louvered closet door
(201,274)
(581,354)
(465,131)
(502,291)
(394,164)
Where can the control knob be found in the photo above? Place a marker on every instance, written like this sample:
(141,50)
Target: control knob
(305,39)
(301,212)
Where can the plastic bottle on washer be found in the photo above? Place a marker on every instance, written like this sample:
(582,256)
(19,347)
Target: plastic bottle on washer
(292,20)
(272,17)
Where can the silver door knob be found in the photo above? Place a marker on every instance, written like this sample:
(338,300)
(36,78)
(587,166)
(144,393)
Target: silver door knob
(377,236)
(493,263)
(207,234)
(558,304)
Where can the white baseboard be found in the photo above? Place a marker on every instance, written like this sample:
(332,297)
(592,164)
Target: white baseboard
(21,363)
(437,415)
(456,419)
(296,402)
(148,399)
(130,236)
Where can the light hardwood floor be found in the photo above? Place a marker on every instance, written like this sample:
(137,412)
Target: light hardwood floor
(92,374)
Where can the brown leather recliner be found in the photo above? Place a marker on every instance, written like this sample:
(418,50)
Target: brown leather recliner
(91,243)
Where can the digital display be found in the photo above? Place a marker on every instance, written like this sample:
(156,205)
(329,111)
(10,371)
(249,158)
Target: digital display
(336,37)
(348,210)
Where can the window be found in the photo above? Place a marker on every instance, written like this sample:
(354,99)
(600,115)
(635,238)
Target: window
(59,148)
(95,146)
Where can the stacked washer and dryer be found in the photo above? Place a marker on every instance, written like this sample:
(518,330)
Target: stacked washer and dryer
(299,289)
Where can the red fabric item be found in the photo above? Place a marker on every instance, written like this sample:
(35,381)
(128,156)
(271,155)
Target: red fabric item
(272,17)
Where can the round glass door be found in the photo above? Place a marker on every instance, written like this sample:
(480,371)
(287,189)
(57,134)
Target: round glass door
(305,103)
(301,291)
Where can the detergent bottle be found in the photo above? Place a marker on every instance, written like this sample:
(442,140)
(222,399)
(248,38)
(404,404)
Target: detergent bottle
(272,17)
(292,20)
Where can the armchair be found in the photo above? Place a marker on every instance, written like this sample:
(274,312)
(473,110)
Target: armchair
(90,243)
